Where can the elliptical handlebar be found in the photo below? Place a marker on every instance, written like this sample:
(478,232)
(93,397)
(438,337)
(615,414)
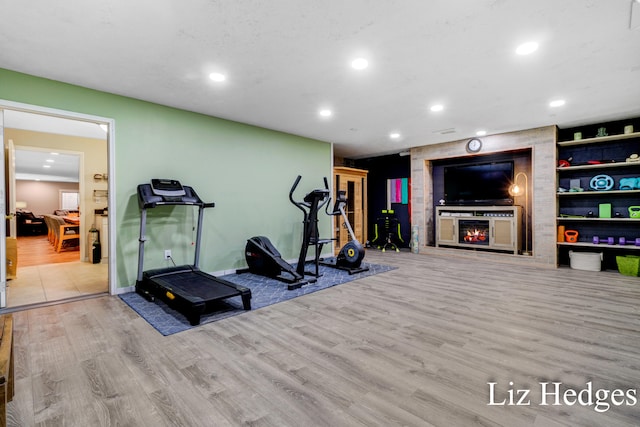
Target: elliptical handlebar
(304,204)
(295,185)
(299,205)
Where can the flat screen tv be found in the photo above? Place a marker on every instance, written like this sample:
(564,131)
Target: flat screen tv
(478,184)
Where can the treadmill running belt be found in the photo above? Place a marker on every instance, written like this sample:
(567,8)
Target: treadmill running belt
(197,286)
(190,291)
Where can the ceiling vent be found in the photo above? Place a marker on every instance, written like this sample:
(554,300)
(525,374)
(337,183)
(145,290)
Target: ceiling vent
(445,131)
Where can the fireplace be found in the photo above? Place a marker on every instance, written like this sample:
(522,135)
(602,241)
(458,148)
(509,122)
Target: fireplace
(473,232)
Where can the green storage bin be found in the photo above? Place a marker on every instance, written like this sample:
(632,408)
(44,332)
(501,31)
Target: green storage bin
(629,265)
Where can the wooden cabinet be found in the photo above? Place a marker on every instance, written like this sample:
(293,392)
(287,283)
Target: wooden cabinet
(354,182)
(599,192)
(446,231)
(479,227)
(504,231)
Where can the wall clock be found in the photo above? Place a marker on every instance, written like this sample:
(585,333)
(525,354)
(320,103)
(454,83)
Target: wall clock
(474,145)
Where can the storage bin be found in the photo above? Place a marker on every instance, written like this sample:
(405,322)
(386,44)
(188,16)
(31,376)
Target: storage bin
(590,261)
(629,265)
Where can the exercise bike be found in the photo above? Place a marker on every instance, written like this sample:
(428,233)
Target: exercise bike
(352,253)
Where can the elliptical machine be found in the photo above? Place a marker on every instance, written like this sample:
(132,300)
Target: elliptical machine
(352,253)
(350,256)
(264,259)
(311,204)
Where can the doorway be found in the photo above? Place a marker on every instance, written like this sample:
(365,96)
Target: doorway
(49,273)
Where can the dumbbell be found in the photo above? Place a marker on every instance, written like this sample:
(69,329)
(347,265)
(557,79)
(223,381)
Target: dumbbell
(623,241)
(608,240)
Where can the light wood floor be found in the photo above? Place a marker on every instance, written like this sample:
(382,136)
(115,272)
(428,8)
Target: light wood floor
(416,346)
(36,250)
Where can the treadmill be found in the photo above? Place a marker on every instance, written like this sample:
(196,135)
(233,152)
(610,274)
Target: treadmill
(184,288)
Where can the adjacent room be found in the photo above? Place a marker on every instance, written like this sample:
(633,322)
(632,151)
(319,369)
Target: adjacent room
(360,213)
(55,203)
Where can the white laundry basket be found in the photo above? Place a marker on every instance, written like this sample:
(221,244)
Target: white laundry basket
(590,261)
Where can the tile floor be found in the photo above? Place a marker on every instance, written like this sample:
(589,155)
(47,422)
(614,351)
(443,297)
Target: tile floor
(52,282)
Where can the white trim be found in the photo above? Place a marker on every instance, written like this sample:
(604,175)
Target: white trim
(3,230)
(120,291)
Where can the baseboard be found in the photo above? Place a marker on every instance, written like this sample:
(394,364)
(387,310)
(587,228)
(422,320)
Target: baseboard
(125,290)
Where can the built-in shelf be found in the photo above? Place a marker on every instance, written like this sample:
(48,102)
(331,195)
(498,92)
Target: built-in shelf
(593,157)
(600,193)
(611,165)
(577,218)
(599,139)
(599,246)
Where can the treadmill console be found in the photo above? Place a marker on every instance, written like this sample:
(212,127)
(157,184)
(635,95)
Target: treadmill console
(168,192)
(167,187)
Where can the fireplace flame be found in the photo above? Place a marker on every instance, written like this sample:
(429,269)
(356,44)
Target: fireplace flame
(475,235)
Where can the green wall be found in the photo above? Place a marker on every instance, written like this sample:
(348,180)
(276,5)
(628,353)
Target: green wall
(247,171)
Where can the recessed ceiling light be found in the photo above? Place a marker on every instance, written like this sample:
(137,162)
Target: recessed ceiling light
(437,107)
(54,154)
(481,133)
(527,48)
(46,166)
(394,135)
(325,113)
(49,160)
(359,63)
(217,77)
(557,103)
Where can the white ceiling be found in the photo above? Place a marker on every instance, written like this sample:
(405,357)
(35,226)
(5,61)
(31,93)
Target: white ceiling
(286,59)
(47,166)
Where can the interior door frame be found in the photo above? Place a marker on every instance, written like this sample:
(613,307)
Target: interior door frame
(10,151)
(3,226)
(84,228)
(111,184)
